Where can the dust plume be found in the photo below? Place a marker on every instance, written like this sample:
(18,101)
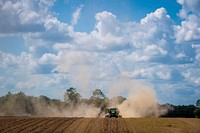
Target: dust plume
(82,110)
(22,105)
(141,100)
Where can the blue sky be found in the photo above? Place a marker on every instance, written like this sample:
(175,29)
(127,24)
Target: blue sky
(47,46)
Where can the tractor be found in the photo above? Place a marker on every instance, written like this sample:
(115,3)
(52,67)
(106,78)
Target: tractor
(112,112)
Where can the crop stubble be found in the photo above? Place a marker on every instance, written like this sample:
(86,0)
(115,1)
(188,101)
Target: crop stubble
(97,125)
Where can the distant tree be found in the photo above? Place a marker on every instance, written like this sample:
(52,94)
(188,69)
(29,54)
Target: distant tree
(197,111)
(9,94)
(186,111)
(198,103)
(98,99)
(44,99)
(22,94)
(21,104)
(71,96)
(98,93)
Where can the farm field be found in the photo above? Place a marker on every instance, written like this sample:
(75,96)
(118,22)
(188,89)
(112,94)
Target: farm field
(98,125)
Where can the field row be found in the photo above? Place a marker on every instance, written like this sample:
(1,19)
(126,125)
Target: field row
(97,125)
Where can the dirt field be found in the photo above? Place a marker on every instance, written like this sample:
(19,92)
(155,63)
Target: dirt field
(98,125)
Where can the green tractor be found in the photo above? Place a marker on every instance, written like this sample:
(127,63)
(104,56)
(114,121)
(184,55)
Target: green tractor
(112,112)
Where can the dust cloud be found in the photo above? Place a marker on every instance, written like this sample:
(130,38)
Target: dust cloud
(22,105)
(82,110)
(141,100)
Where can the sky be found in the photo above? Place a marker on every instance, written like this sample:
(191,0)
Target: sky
(47,46)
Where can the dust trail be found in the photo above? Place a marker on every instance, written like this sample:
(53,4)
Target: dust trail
(82,110)
(141,100)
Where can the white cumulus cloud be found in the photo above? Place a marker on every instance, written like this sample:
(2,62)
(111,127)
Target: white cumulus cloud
(189,30)
(23,15)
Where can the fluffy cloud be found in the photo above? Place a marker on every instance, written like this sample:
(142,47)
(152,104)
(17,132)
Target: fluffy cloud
(189,30)
(84,57)
(129,43)
(62,57)
(112,35)
(107,23)
(55,32)
(24,62)
(191,74)
(152,73)
(23,15)
(25,73)
(189,6)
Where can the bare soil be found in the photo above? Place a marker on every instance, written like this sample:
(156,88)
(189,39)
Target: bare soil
(98,125)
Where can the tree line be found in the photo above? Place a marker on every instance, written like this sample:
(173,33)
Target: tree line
(186,111)
(20,104)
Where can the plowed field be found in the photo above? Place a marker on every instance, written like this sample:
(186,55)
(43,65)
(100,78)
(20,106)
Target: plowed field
(98,125)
